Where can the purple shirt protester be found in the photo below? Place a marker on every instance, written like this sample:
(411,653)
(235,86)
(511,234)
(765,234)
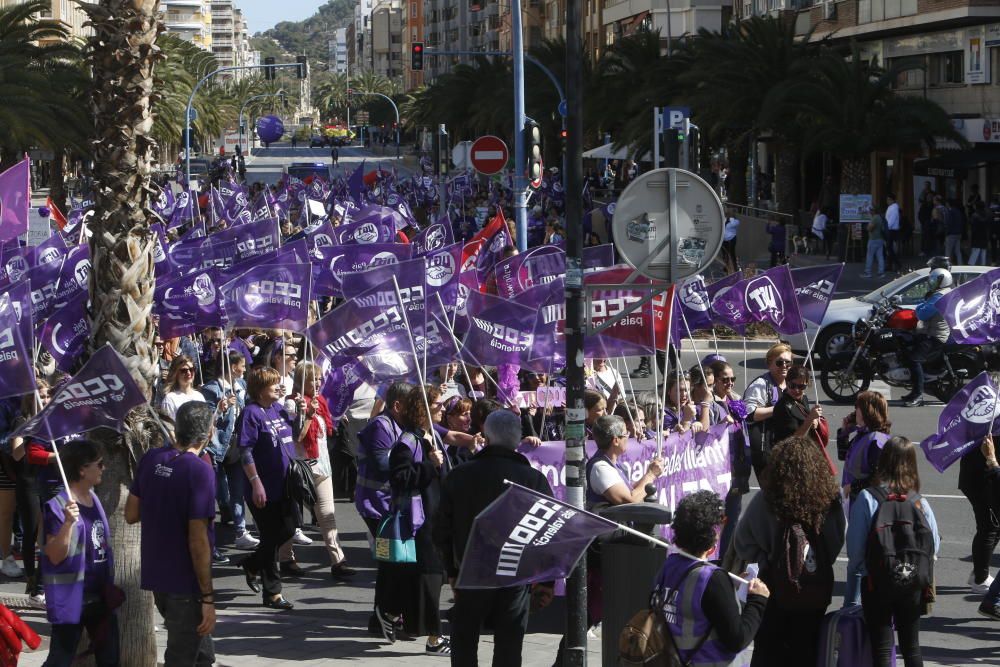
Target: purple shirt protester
(173,487)
(267,432)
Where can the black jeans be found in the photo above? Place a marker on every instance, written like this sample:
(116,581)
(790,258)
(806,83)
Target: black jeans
(181,617)
(505,609)
(276,522)
(31,495)
(987,533)
(787,638)
(65,640)
(892,250)
(880,620)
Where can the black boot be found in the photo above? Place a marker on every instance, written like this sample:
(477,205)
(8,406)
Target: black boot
(643,371)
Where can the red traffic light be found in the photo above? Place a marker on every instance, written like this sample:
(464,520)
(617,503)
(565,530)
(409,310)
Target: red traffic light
(563,134)
(417,48)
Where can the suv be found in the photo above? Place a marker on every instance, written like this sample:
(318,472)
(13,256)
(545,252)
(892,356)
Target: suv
(317,141)
(302,170)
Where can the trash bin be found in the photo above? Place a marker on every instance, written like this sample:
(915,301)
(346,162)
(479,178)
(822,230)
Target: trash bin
(629,565)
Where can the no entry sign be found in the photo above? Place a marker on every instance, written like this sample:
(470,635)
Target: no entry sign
(489,155)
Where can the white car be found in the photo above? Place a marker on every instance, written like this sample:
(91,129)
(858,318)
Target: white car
(834,334)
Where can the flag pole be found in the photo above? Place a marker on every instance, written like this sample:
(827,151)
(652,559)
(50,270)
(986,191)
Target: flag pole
(809,360)
(461,361)
(55,450)
(626,529)
(656,393)
(451,333)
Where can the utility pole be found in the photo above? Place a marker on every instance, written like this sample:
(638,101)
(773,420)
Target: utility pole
(575,653)
(520,159)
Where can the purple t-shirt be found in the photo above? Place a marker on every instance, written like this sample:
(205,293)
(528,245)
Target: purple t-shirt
(97,546)
(173,488)
(268,433)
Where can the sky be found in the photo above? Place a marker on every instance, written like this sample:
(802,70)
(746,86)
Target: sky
(263,14)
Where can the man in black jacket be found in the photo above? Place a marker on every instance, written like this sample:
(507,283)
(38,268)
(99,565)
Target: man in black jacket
(466,492)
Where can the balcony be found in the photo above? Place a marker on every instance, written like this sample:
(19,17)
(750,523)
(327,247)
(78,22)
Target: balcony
(197,4)
(184,25)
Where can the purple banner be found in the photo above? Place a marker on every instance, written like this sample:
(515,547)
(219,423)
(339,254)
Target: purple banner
(972,310)
(99,396)
(344,378)
(814,288)
(434,237)
(769,297)
(65,334)
(270,296)
(964,422)
(15,200)
(332,262)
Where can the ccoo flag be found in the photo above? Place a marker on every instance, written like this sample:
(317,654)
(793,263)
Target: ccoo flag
(270,296)
(972,310)
(99,396)
(814,288)
(524,537)
(964,422)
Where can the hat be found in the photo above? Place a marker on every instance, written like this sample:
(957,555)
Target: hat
(712,358)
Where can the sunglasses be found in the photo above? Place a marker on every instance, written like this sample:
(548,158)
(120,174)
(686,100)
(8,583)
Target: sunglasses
(187,371)
(782,363)
(798,387)
(727,380)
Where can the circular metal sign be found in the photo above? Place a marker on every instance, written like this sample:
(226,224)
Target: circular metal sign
(668,224)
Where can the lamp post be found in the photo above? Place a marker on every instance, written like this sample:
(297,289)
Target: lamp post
(394,108)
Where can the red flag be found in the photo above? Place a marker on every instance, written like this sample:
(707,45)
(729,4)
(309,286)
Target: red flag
(56,214)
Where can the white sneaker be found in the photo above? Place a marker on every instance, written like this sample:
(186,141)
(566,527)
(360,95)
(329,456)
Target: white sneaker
(980,588)
(300,538)
(37,599)
(10,568)
(246,541)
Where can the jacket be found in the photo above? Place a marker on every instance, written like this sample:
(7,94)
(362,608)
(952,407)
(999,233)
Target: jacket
(469,489)
(757,532)
(225,423)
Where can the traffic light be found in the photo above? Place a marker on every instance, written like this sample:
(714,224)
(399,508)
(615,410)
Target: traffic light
(417,56)
(563,135)
(269,71)
(303,68)
(284,100)
(350,94)
(533,141)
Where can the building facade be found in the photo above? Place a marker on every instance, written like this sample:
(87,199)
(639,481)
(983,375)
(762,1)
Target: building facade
(387,39)
(65,12)
(191,20)
(338,51)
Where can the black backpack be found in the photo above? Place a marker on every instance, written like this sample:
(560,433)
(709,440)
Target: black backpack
(805,586)
(899,555)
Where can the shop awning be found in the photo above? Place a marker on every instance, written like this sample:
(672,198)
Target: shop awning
(952,164)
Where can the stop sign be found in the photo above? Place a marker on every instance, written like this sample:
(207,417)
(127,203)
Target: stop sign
(489,155)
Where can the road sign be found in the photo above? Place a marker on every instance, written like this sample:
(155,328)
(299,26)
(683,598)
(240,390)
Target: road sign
(674,117)
(489,155)
(460,155)
(563,111)
(668,224)
(192,115)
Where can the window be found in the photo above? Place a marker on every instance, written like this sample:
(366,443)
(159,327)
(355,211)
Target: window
(870,11)
(946,68)
(912,74)
(413,10)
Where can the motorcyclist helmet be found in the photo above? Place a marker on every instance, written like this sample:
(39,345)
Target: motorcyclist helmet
(940,279)
(939,262)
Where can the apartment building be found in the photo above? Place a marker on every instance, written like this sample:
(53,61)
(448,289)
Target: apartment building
(362,44)
(387,39)
(338,51)
(190,20)
(224,45)
(951,52)
(66,12)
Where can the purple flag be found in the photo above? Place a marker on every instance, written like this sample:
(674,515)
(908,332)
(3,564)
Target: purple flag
(51,250)
(366,232)
(74,276)
(15,301)
(65,334)
(536,266)
(185,209)
(264,206)
(17,260)
(345,376)
(358,325)
(15,200)
(270,296)
(43,289)
(434,237)
(769,297)
(524,537)
(17,375)
(332,262)
(972,310)
(505,332)
(814,288)
(189,304)
(356,183)
(163,206)
(99,396)
(969,416)
(161,260)
(691,306)
(491,253)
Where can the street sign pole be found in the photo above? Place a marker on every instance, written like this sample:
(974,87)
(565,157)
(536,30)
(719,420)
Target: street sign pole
(520,159)
(576,586)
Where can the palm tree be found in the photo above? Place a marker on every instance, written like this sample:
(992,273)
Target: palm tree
(122,54)
(848,108)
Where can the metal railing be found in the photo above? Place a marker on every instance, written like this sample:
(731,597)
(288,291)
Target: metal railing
(758,212)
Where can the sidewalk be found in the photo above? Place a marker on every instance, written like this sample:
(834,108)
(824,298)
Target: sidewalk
(329,621)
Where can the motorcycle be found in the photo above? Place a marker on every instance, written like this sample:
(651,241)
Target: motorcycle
(881,344)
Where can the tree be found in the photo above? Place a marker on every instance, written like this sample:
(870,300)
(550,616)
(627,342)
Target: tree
(122,55)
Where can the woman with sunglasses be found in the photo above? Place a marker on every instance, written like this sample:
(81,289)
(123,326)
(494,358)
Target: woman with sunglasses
(180,385)
(792,414)
(760,397)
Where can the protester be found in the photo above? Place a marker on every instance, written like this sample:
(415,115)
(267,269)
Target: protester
(173,496)
(792,414)
(896,480)
(77,564)
(760,397)
(414,464)
(372,494)
(314,426)
(466,492)
(232,490)
(707,412)
(702,612)
(456,415)
(180,385)
(990,606)
(220,392)
(735,411)
(596,406)
(932,332)
(979,234)
(893,227)
(607,482)
(606,381)
(974,483)
(266,447)
(794,530)
(862,436)
(679,412)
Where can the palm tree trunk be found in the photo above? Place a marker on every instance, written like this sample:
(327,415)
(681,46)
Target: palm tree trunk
(739,157)
(786,179)
(122,279)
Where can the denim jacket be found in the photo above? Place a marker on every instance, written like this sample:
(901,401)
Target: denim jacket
(225,423)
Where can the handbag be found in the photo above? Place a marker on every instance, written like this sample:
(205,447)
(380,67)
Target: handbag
(299,485)
(394,540)
(821,436)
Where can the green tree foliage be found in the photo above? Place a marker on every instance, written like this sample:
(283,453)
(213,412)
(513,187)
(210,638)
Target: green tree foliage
(312,35)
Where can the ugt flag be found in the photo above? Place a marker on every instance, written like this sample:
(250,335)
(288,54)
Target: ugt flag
(964,422)
(814,288)
(270,296)
(99,396)
(973,310)
(769,297)
(15,200)
(524,537)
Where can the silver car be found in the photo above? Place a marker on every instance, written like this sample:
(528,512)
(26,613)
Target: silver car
(834,334)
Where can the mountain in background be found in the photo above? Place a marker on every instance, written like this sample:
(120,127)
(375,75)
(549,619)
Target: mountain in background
(311,36)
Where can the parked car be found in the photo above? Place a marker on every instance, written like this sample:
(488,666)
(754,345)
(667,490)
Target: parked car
(303,170)
(317,141)
(834,333)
